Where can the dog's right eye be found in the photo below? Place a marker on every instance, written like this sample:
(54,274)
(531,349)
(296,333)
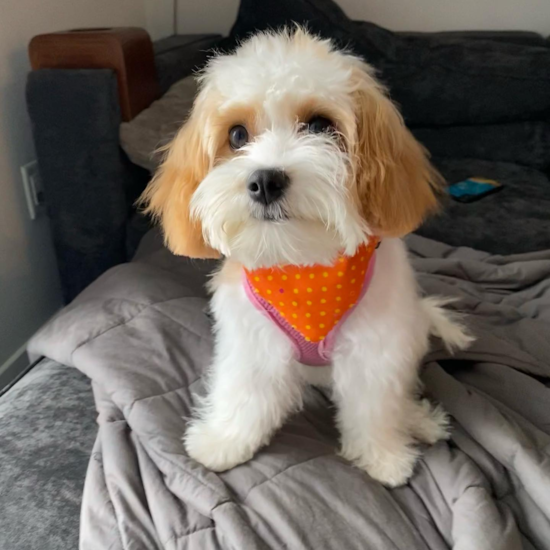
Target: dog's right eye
(319,124)
(238,136)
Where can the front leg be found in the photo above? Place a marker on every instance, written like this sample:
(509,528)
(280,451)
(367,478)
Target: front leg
(253,386)
(372,417)
(375,373)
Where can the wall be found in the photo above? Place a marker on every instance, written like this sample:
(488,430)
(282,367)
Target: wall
(29,284)
(416,15)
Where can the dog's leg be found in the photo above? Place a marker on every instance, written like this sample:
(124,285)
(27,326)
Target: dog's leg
(376,372)
(253,386)
(372,416)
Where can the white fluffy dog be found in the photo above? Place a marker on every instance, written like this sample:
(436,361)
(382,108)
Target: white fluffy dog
(294,157)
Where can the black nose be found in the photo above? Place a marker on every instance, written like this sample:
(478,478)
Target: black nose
(266,186)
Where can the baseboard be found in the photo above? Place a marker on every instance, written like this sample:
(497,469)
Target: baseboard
(14,366)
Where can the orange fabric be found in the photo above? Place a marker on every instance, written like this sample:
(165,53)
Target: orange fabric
(313,299)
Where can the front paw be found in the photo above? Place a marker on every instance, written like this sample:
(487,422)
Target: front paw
(392,468)
(216,452)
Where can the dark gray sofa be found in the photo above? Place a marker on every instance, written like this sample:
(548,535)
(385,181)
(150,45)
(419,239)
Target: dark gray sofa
(479,101)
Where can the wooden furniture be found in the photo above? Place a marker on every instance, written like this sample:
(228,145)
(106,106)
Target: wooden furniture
(127,51)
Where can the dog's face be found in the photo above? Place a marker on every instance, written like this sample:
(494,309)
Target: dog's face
(292,154)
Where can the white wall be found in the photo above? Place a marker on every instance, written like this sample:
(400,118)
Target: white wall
(29,284)
(415,15)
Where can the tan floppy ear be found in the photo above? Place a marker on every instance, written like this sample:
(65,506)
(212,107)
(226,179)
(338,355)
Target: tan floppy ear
(168,195)
(397,186)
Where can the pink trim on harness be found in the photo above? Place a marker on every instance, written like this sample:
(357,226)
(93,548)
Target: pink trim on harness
(314,354)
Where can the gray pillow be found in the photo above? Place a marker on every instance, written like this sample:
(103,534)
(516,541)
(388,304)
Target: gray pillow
(155,126)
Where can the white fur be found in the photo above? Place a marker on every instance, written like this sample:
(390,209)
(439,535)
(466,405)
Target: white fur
(254,382)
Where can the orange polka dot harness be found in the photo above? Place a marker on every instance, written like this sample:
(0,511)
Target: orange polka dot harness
(310,303)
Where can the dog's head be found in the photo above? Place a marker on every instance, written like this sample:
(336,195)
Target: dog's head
(292,154)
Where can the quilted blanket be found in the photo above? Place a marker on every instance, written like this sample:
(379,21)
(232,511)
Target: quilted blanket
(143,335)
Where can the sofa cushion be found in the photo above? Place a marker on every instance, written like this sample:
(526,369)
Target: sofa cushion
(511,221)
(526,143)
(155,126)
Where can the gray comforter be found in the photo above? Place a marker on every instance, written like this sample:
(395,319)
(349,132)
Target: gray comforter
(141,333)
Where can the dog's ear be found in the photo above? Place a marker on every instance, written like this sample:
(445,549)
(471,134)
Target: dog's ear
(396,185)
(168,195)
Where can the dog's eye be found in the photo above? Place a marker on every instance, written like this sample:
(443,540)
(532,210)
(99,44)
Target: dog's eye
(238,136)
(319,124)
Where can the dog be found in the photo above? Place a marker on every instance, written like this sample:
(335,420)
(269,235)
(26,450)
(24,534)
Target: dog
(296,167)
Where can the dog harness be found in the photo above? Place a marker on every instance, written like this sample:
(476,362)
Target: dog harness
(310,303)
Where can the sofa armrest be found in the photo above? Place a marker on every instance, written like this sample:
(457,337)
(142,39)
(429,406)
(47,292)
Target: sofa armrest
(76,107)
(75,117)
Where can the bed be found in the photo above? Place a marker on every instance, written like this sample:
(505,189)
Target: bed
(130,348)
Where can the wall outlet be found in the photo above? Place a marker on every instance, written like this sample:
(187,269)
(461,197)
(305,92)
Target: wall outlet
(34,192)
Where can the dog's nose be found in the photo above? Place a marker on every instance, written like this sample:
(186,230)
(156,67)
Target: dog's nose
(266,186)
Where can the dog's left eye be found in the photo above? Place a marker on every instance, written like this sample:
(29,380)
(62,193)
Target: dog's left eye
(319,124)
(238,136)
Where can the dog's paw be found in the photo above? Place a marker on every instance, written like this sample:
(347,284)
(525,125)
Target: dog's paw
(214,451)
(429,424)
(391,468)
(394,469)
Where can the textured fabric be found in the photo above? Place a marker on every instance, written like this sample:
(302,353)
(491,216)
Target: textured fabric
(524,143)
(75,116)
(309,304)
(47,431)
(141,334)
(156,126)
(516,219)
(304,294)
